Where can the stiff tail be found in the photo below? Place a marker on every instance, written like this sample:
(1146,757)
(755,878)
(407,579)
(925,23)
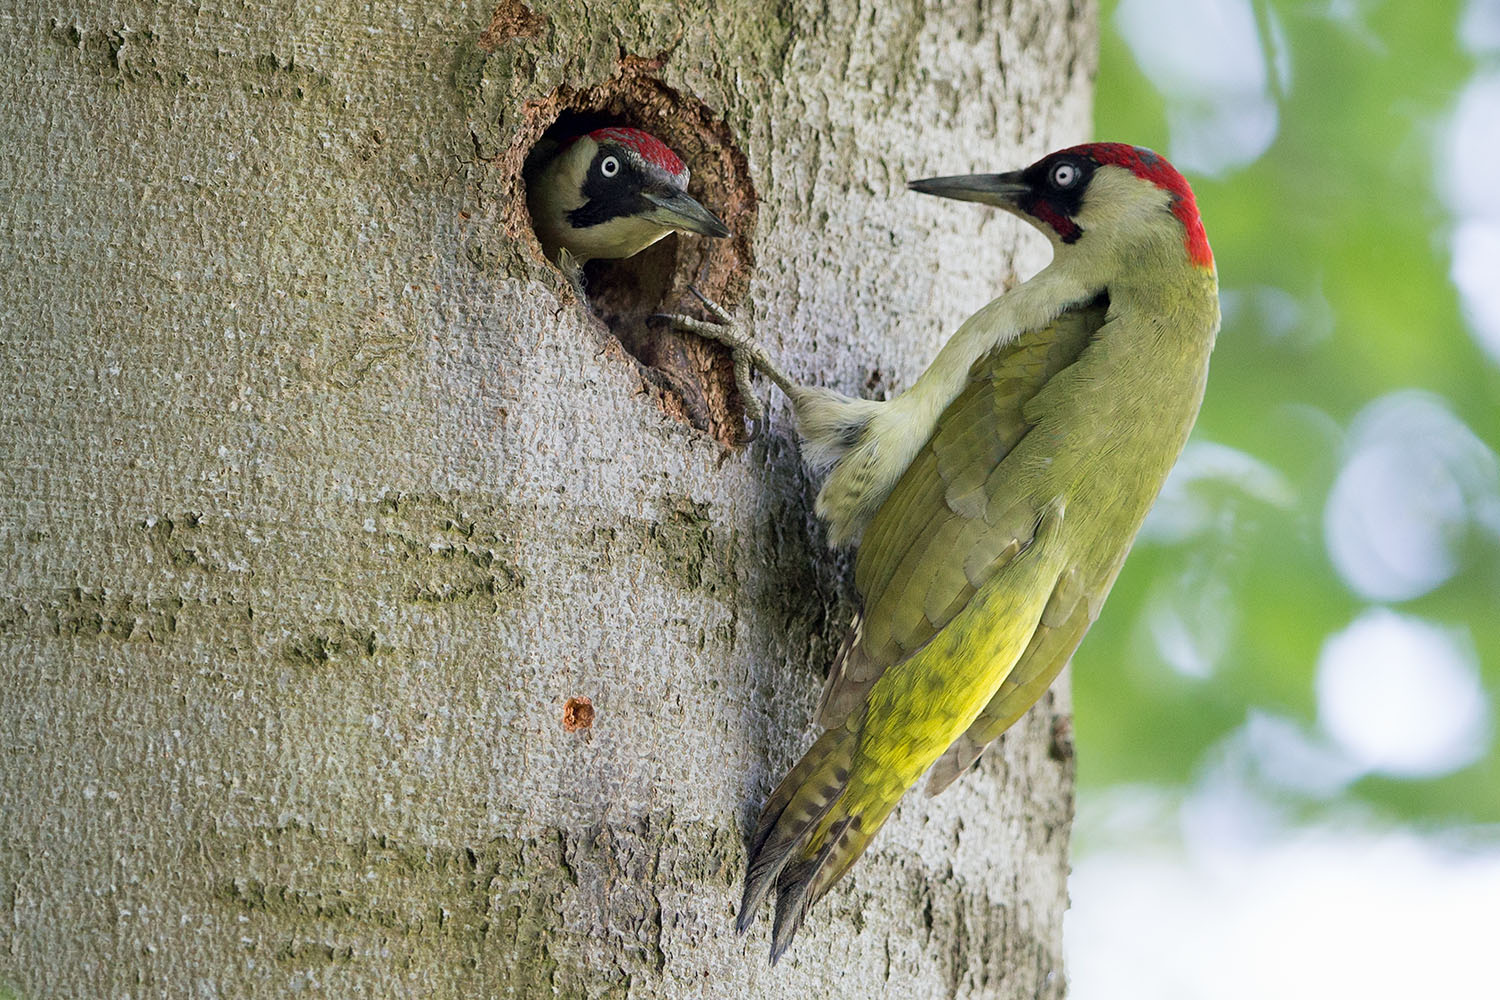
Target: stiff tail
(810,832)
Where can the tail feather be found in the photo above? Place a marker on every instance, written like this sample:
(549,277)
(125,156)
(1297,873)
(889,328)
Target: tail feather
(797,889)
(809,834)
(792,813)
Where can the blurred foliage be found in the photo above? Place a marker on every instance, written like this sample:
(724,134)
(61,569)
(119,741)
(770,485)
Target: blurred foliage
(1343,217)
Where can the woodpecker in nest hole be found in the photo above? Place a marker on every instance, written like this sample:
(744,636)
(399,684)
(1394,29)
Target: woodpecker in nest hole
(610,194)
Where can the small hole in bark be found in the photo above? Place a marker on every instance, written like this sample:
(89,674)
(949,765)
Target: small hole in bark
(578,713)
(688,377)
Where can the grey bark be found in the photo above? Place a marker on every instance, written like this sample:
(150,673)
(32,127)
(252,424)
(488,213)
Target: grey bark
(321,498)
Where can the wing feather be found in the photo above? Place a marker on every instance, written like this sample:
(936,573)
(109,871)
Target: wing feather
(957,517)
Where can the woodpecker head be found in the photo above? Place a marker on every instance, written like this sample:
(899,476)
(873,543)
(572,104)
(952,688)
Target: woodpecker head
(1102,196)
(612,193)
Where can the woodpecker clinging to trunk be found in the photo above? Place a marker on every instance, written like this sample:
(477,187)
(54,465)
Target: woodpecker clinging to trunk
(993,501)
(611,193)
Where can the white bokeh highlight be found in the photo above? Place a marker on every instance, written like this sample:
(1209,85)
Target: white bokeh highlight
(1207,59)
(1192,622)
(1287,757)
(1480,27)
(1415,486)
(1295,322)
(1193,617)
(1468,178)
(1402,696)
(1207,485)
(1476,273)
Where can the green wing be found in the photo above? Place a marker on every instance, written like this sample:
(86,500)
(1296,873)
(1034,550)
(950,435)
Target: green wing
(953,522)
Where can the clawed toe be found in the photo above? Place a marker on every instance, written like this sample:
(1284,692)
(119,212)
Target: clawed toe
(755,410)
(747,354)
(723,333)
(712,306)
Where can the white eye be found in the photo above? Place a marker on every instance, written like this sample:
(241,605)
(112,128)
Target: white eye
(609,166)
(1064,175)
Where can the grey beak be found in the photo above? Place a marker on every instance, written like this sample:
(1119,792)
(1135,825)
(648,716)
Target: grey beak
(1001,190)
(680,211)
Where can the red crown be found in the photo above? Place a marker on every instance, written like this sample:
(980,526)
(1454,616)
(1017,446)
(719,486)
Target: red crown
(650,148)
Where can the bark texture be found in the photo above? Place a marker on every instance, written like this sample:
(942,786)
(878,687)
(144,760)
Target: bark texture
(323,506)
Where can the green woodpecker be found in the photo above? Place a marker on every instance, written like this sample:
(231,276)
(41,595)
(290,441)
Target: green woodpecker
(993,501)
(612,193)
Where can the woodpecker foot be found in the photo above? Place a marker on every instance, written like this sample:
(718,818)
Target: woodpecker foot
(745,352)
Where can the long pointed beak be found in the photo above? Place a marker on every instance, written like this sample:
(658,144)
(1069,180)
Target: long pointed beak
(1001,190)
(680,211)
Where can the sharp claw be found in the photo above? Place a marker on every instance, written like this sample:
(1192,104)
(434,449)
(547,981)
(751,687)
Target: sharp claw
(744,352)
(711,305)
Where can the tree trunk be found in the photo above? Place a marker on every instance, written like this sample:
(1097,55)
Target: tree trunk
(373,623)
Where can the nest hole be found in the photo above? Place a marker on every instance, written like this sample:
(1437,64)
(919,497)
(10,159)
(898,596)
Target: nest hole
(690,378)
